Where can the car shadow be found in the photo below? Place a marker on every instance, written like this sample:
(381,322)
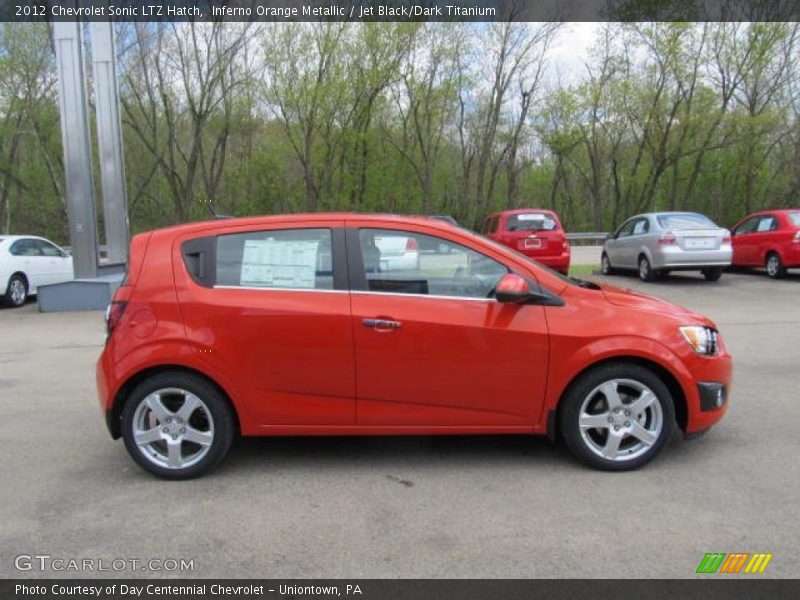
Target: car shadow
(345,452)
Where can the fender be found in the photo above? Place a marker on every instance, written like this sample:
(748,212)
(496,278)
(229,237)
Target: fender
(178,353)
(598,350)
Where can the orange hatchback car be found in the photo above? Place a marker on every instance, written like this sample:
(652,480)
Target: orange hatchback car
(299,325)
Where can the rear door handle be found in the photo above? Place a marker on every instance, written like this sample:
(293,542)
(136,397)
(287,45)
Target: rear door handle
(381,324)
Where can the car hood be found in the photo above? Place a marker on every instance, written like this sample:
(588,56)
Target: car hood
(632,299)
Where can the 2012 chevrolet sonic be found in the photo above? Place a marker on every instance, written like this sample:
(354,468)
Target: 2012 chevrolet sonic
(303,325)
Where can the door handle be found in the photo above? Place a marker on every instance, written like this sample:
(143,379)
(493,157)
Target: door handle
(381,324)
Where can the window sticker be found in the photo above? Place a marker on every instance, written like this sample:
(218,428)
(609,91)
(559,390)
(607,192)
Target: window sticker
(279,264)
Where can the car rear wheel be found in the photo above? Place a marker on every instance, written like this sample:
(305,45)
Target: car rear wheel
(605,265)
(16,291)
(774,266)
(177,425)
(712,273)
(617,417)
(646,272)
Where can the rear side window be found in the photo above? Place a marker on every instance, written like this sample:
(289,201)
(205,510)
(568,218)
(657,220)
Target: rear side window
(25,247)
(278,259)
(531,222)
(794,219)
(641,227)
(685,221)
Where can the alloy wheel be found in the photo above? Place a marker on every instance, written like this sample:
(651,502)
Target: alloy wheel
(620,420)
(17,292)
(173,428)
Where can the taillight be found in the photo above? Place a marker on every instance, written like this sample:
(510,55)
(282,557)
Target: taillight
(565,245)
(114,312)
(667,238)
(796,239)
(726,238)
(412,245)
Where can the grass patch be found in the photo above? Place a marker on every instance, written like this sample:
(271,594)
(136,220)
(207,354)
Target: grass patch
(583,270)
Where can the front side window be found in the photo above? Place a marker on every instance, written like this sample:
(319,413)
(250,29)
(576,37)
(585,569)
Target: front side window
(279,259)
(393,263)
(767,224)
(626,229)
(47,249)
(748,226)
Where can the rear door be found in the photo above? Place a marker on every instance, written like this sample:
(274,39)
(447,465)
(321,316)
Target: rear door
(434,348)
(270,305)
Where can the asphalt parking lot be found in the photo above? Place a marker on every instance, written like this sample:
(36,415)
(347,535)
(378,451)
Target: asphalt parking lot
(408,507)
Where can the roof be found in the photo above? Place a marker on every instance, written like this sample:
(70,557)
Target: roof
(307,217)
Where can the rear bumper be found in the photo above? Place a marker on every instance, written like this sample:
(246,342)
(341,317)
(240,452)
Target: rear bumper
(559,262)
(668,257)
(105,395)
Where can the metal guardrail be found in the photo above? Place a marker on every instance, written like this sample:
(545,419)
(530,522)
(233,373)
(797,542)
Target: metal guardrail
(585,238)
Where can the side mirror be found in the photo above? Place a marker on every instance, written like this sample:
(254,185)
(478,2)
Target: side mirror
(512,289)
(610,236)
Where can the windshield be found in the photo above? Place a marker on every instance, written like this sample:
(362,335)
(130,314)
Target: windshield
(685,221)
(531,222)
(794,217)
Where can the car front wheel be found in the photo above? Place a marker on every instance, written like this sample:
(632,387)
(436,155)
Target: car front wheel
(605,265)
(16,292)
(177,425)
(617,417)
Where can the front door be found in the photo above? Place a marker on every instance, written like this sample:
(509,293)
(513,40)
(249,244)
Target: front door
(433,347)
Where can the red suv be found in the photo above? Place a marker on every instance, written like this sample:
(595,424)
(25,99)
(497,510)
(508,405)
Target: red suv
(296,325)
(769,239)
(534,232)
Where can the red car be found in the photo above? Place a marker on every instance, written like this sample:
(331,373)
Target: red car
(294,325)
(534,232)
(769,239)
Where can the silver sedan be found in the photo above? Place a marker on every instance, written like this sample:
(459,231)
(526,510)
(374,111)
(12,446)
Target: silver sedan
(656,243)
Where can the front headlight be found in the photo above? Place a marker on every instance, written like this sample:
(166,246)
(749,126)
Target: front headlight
(703,340)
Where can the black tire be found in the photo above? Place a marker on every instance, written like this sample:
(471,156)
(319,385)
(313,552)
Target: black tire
(663,274)
(774,266)
(13,297)
(584,388)
(605,265)
(222,416)
(646,272)
(712,273)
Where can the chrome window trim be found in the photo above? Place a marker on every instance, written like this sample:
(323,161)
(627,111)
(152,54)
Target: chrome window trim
(277,289)
(434,296)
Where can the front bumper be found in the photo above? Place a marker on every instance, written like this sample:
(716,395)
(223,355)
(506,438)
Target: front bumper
(707,397)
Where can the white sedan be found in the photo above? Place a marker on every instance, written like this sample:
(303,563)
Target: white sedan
(26,262)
